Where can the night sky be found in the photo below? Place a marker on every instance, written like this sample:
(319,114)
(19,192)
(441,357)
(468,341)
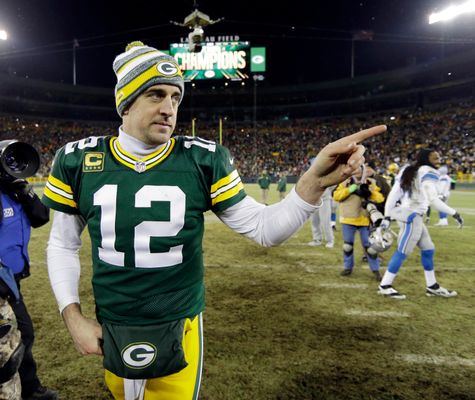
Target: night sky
(306,41)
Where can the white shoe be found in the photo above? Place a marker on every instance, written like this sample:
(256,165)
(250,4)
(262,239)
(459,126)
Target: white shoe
(330,245)
(314,243)
(442,222)
(441,292)
(389,291)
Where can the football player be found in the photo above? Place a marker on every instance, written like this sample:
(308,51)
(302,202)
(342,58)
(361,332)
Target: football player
(415,188)
(142,195)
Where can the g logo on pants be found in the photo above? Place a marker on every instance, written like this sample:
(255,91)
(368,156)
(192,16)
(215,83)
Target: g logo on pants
(139,355)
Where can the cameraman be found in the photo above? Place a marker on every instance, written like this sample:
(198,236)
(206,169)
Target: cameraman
(353,195)
(21,209)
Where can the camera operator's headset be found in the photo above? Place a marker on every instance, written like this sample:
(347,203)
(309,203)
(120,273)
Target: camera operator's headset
(18,160)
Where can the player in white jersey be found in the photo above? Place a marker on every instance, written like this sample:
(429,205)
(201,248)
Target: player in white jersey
(443,188)
(415,188)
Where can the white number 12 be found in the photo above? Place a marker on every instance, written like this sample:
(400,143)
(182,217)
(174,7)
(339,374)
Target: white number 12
(106,198)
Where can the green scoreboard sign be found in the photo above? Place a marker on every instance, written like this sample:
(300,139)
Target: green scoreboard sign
(220,60)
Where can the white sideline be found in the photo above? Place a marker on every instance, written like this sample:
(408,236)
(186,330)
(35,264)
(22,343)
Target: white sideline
(344,285)
(368,313)
(437,360)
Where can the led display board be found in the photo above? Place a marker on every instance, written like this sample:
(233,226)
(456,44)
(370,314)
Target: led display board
(219,60)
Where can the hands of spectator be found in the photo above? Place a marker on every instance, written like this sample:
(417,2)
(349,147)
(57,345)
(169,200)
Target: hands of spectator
(20,190)
(363,191)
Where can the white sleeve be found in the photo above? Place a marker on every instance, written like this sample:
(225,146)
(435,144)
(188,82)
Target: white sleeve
(63,257)
(268,225)
(394,196)
(432,197)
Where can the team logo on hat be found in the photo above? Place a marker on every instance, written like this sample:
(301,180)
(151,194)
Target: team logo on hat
(167,68)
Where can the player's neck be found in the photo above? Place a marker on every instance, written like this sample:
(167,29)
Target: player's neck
(134,146)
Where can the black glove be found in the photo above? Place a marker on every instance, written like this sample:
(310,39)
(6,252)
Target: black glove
(21,191)
(458,218)
(363,191)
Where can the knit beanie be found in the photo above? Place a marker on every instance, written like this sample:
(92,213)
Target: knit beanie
(141,67)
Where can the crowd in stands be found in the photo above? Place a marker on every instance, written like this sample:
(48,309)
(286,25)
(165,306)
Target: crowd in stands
(286,145)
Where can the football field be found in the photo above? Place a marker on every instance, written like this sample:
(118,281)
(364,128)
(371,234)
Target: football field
(281,323)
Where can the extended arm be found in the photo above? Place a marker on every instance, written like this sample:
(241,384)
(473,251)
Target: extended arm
(268,225)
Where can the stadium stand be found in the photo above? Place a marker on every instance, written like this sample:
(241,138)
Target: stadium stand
(274,128)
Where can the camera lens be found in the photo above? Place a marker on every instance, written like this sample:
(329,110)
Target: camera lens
(15,162)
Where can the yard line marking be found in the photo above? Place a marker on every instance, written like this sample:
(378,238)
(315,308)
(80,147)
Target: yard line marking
(344,285)
(437,360)
(464,192)
(367,313)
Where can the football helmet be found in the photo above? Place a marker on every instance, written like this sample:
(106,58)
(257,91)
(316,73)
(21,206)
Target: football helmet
(380,240)
(393,168)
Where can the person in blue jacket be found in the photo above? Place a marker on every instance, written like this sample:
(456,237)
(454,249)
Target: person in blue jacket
(20,209)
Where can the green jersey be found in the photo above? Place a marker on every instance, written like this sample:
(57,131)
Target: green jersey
(145,220)
(282,184)
(264,181)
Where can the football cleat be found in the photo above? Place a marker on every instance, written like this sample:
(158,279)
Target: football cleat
(389,291)
(314,243)
(441,292)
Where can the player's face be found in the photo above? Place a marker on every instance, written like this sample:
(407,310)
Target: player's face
(152,116)
(434,159)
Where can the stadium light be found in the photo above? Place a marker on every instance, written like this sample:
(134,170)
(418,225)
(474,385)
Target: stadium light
(452,12)
(3,34)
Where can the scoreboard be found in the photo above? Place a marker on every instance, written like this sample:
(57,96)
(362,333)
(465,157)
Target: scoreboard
(219,60)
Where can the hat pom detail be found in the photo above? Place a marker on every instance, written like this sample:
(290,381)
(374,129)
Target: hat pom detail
(137,43)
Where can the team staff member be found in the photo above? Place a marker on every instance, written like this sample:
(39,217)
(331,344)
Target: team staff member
(415,189)
(21,209)
(264,182)
(143,195)
(352,195)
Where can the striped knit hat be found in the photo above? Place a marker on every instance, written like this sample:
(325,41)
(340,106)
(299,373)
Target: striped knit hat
(140,67)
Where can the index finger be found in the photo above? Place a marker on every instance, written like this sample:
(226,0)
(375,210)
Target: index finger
(363,135)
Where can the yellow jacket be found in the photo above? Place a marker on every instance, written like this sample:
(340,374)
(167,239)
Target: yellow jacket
(351,210)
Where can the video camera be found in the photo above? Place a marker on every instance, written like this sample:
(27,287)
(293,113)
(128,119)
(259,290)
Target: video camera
(18,160)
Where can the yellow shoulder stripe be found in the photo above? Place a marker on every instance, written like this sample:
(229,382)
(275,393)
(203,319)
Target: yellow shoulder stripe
(59,199)
(224,181)
(228,194)
(56,182)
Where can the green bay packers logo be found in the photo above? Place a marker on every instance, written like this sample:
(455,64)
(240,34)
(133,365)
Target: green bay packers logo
(167,68)
(139,355)
(93,162)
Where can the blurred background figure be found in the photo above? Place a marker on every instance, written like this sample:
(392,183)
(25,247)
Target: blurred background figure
(392,172)
(353,196)
(321,221)
(264,182)
(20,209)
(413,191)
(443,188)
(282,185)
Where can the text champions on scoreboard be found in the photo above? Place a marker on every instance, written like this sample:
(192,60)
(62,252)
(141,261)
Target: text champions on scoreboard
(219,60)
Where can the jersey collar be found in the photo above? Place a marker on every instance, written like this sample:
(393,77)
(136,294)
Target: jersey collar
(140,164)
